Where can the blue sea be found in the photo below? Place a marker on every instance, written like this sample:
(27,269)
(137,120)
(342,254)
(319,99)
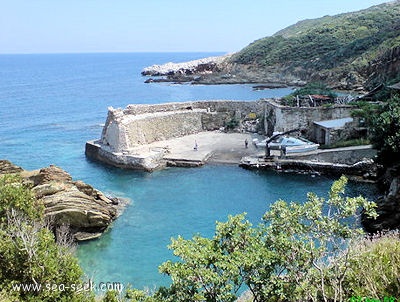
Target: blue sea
(51,104)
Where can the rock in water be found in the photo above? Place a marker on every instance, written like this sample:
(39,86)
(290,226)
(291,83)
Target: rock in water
(87,211)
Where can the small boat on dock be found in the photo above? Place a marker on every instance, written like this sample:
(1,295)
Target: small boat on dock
(288,144)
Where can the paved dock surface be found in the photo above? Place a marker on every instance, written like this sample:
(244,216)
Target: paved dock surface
(212,146)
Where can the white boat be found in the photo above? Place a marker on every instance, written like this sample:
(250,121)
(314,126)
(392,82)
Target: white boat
(291,144)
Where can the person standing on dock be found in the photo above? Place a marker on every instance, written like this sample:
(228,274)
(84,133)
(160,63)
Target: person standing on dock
(246,143)
(195,146)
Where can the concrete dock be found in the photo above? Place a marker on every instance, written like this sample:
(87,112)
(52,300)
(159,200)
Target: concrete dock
(212,146)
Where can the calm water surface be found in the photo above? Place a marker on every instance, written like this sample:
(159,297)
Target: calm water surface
(50,105)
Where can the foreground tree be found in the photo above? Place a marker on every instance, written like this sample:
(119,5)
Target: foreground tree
(33,267)
(298,252)
(312,244)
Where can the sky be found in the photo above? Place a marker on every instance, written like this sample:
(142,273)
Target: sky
(76,26)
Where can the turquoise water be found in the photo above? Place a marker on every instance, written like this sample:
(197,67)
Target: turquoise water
(50,105)
(184,202)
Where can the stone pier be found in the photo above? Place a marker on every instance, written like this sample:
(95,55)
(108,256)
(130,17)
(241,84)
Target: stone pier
(150,137)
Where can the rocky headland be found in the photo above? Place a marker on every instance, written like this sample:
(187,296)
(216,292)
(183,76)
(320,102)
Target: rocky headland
(190,71)
(218,70)
(351,51)
(87,211)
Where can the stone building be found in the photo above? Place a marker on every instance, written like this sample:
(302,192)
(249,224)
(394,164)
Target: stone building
(330,131)
(281,118)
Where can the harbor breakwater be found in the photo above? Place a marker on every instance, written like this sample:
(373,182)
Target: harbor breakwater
(128,131)
(142,136)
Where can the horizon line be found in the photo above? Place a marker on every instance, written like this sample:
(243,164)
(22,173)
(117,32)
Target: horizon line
(109,52)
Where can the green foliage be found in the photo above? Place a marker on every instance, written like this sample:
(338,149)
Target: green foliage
(307,239)
(136,295)
(386,132)
(314,88)
(14,194)
(366,112)
(295,254)
(210,268)
(375,268)
(28,252)
(110,296)
(383,121)
(344,43)
(232,124)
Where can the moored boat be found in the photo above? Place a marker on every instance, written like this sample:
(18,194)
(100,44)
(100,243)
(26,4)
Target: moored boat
(289,144)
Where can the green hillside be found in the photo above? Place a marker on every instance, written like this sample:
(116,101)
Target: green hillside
(362,43)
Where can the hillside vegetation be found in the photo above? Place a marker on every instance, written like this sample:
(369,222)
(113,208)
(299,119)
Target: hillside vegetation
(351,49)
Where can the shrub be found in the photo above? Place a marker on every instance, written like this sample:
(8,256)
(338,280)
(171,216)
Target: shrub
(28,251)
(15,194)
(375,268)
(295,254)
(386,132)
(232,124)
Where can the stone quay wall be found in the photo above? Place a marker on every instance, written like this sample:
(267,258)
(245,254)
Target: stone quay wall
(283,118)
(209,105)
(143,124)
(162,126)
(346,155)
(128,130)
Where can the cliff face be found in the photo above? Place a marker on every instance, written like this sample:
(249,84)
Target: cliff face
(384,67)
(86,210)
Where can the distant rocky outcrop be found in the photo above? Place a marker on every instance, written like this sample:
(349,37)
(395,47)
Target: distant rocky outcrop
(87,211)
(184,72)
(350,51)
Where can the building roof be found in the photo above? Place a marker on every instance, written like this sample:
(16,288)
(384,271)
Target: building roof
(321,97)
(338,123)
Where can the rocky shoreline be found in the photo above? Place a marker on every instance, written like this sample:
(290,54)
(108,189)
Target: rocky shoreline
(362,170)
(388,208)
(87,211)
(205,65)
(219,70)
(225,70)
(190,71)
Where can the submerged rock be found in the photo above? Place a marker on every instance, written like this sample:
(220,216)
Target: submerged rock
(87,211)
